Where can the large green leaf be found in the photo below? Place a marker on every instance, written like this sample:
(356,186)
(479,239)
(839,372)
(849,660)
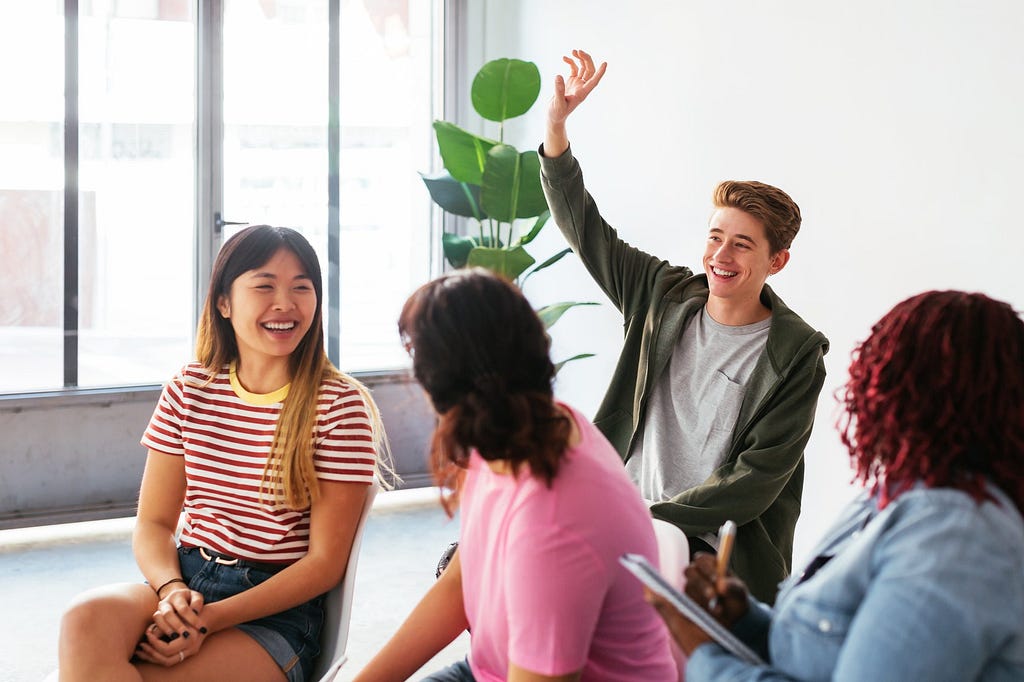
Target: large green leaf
(550,314)
(535,230)
(456,248)
(549,262)
(560,365)
(463,153)
(505,88)
(458,198)
(510,187)
(508,262)
(532,201)
(499,186)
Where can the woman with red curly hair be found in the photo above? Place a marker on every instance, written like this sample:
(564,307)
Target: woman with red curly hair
(922,577)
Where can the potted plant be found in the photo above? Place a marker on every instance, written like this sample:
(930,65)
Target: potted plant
(494,185)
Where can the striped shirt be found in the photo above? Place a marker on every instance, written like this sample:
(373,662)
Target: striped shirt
(224,433)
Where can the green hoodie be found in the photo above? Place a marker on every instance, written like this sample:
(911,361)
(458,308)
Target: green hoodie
(759,485)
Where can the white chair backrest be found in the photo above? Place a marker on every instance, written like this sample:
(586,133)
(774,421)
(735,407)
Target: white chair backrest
(673,557)
(673,552)
(338,606)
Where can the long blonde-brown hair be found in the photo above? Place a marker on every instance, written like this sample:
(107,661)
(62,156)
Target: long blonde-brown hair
(289,473)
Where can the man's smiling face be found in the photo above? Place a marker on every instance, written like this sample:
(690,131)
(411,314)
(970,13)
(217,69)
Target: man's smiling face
(738,258)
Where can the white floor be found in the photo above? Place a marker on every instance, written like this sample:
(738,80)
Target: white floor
(41,569)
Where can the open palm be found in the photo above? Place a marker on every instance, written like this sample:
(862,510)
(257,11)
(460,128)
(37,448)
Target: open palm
(569,93)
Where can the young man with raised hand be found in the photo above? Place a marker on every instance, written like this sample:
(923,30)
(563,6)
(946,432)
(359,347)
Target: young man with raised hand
(713,398)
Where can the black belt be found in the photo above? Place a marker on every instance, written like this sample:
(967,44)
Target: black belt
(225,560)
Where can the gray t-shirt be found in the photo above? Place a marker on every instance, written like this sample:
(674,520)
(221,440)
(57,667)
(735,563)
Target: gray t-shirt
(693,407)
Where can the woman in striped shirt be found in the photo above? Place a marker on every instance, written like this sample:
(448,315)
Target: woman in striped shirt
(266,518)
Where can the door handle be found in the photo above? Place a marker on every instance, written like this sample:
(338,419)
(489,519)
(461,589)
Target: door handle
(219,223)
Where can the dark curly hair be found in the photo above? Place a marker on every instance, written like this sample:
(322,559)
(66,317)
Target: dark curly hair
(936,394)
(481,353)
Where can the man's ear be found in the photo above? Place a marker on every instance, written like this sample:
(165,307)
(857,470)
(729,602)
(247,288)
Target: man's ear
(778,261)
(224,306)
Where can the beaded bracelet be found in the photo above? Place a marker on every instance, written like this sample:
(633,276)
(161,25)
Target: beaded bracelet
(172,580)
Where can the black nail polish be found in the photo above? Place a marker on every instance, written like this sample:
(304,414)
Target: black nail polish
(203,629)
(173,636)
(185,634)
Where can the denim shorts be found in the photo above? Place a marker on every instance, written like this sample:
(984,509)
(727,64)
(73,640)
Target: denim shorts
(291,637)
(456,672)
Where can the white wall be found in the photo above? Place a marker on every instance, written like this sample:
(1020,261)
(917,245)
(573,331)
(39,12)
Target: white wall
(895,125)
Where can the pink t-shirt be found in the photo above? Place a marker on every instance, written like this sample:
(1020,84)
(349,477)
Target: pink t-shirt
(541,580)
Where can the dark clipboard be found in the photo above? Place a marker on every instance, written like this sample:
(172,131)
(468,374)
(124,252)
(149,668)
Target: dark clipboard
(649,576)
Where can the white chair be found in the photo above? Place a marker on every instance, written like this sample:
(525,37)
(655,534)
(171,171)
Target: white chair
(338,606)
(673,557)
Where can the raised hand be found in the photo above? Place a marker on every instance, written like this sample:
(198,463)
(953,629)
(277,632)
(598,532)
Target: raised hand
(569,94)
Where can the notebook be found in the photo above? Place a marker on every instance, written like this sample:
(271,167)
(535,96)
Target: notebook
(649,576)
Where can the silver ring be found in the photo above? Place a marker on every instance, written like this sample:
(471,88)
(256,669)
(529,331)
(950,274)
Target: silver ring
(181,657)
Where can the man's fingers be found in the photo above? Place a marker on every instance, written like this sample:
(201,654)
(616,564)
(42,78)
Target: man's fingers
(559,86)
(586,64)
(572,65)
(594,79)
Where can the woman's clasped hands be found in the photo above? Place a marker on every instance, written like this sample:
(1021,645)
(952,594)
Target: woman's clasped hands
(177,631)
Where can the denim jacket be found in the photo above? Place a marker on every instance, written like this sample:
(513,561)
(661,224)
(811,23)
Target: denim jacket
(929,588)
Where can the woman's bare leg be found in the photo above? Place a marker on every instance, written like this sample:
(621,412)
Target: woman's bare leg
(99,632)
(227,655)
(102,627)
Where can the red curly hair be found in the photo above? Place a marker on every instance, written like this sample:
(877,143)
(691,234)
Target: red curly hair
(936,395)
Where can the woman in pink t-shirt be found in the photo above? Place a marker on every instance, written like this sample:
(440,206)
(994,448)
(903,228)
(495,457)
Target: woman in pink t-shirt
(546,507)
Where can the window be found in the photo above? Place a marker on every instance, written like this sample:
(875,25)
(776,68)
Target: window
(139,222)
(31,194)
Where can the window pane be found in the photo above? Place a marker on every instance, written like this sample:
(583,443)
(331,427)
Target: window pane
(275,147)
(386,135)
(137,190)
(31,194)
(275,116)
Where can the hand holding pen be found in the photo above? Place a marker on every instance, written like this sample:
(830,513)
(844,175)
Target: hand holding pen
(709,583)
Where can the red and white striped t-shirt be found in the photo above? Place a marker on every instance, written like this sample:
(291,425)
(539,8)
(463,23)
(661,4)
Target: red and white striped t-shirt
(224,433)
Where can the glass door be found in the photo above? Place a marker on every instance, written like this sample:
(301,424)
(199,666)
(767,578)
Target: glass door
(97,189)
(352,189)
